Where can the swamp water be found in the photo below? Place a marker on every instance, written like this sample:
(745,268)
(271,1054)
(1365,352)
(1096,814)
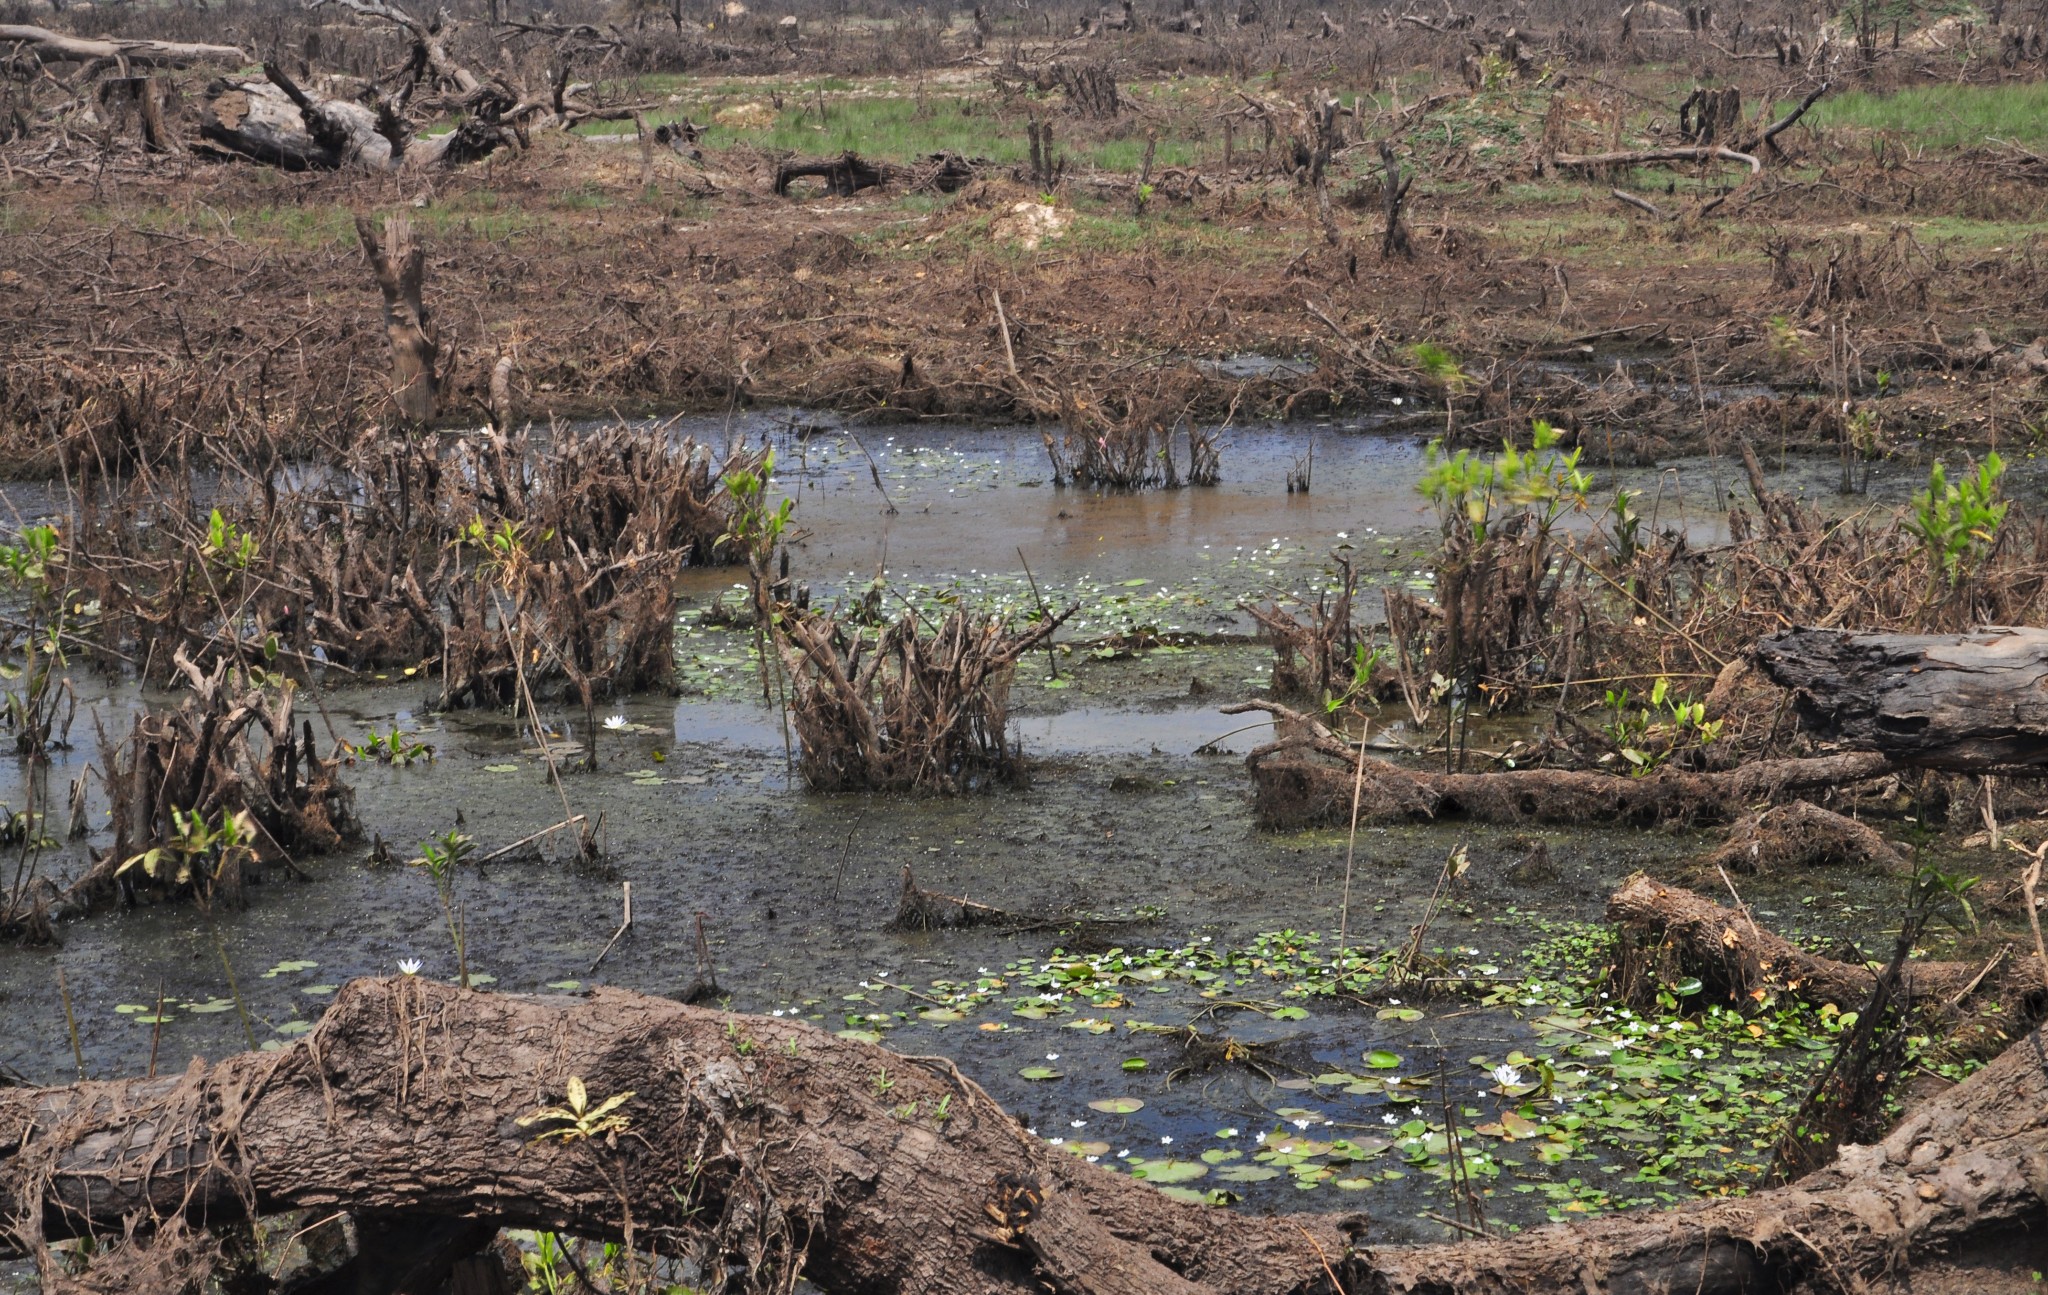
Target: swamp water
(1300,1087)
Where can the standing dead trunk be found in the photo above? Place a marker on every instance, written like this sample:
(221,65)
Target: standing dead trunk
(762,1148)
(1394,190)
(400,265)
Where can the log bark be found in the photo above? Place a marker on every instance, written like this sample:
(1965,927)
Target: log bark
(1309,776)
(762,1146)
(1968,703)
(282,124)
(1801,835)
(56,47)
(1639,157)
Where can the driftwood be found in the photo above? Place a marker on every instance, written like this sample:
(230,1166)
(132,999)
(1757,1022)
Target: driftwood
(56,47)
(1968,703)
(761,1147)
(1309,776)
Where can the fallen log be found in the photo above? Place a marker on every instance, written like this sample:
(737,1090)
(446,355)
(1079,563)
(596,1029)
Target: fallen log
(849,173)
(56,47)
(1967,703)
(1735,958)
(280,123)
(1639,157)
(1310,777)
(762,1148)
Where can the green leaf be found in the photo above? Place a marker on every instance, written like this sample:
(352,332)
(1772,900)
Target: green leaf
(1041,1073)
(1168,1171)
(1381,1059)
(1117,1105)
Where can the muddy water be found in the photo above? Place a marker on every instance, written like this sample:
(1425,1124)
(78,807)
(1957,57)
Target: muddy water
(1137,800)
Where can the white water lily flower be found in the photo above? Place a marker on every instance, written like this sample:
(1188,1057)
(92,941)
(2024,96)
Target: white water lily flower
(1125,1154)
(1507,1076)
(410,966)
(1389,1119)
(1262,1139)
(1166,1141)
(1058,1141)
(1077,1124)
(1052,1056)
(615,721)
(1093,1159)
(1299,1124)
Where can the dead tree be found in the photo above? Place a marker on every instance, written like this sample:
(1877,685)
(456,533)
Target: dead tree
(1394,191)
(1967,703)
(400,265)
(761,1149)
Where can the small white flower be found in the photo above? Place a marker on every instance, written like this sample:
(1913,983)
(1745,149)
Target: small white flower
(1166,1141)
(1393,1002)
(1506,1076)
(1288,1149)
(615,721)
(1077,1124)
(1299,1124)
(1058,1141)
(1093,1159)
(1125,1154)
(1388,1119)
(410,966)
(1032,1132)
(1415,1110)
(1698,1053)
(1052,1056)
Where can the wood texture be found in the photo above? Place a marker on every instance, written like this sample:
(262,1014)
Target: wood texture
(1962,702)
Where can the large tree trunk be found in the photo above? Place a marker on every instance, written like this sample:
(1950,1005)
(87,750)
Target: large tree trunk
(282,124)
(55,47)
(1965,702)
(762,1146)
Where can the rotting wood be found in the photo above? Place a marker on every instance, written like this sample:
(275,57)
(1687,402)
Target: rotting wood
(762,1119)
(1639,157)
(1967,703)
(1800,834)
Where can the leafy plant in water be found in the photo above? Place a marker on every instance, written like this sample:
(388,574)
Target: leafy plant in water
(579,1120)
(1685,723)
(441,857)
(31,566)
(394,747)
(197,850)
(1544,481)
(1957,522)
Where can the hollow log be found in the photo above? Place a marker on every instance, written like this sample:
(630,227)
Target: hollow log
(761,1147)
(1968,703)
(56,47)
(1309,777)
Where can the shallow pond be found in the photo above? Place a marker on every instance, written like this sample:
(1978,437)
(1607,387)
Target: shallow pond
(1136,810)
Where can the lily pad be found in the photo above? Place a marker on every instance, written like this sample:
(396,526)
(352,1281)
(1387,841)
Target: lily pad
(1247,1174)
(1289,1013)
(501,768)
(295,1027)
(1399,1014)
(1041,1073)
(1381,1059)
(941,1015)
(1134,1064)
(211,1006)
(860,1036)
(1168,1171)
(1085,1148)
(289,967)
(319,991)
(1117,1105)
(565,984)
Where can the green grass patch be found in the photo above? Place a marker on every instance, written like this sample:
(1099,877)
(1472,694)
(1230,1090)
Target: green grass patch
(1944,116)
